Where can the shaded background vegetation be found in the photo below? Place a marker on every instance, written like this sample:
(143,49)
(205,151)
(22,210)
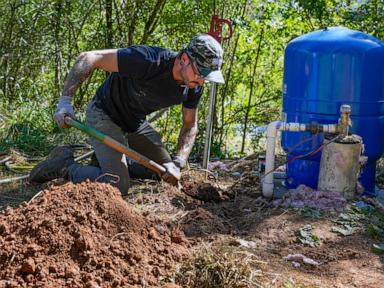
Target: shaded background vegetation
(39,41)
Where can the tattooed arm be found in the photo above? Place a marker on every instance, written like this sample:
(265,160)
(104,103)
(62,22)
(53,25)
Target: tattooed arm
(83,67)
(85,64)
(186,137)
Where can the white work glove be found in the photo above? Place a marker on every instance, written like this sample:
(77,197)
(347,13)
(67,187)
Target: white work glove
(179,162)
(64,108)
(172,175)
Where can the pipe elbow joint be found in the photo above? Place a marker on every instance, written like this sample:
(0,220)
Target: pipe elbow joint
(267,189)
(272,128)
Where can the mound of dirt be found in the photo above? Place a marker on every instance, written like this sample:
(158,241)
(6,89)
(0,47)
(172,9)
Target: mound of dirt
(84,235)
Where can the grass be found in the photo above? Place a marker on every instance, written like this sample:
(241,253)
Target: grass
(221,267)
(30,128)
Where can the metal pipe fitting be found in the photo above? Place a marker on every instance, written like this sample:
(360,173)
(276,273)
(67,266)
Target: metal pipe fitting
(345,121)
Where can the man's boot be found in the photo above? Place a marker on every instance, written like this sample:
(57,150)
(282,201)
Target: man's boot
(55,166)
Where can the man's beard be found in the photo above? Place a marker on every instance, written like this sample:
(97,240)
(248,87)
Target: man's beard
(184,82)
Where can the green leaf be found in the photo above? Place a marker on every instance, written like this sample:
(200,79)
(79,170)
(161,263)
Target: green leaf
(311,213)
(307,238)
(378,248)
(345,230)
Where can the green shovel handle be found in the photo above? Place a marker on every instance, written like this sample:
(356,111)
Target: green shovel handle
(112,143)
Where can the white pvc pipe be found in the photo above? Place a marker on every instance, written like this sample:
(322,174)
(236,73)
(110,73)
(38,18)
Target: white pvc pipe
(267,183)
(273,127)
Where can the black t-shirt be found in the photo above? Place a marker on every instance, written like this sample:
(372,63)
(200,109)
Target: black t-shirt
(144,84)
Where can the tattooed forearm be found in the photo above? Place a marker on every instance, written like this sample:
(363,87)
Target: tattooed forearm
(77,75)
(186,139)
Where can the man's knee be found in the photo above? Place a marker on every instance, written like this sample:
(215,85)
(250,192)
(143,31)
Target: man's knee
(147,142)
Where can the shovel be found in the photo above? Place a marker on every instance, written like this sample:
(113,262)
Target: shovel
(112,143)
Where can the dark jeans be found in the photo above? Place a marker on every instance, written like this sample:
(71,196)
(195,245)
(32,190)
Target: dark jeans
(113,165)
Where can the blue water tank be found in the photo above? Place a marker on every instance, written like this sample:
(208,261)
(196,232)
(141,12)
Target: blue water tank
(322,71)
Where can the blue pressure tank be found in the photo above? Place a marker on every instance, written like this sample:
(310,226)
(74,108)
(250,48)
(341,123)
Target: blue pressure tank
(322,71)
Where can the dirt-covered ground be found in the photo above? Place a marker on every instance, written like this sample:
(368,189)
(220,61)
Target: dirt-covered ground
(217,231)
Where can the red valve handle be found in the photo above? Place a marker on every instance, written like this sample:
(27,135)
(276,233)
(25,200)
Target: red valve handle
(216,28)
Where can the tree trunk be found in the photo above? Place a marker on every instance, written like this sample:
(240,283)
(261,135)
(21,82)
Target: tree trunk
(228,76)
(132,11)
(151,23)
(108,24)
(251,91)
(58,56)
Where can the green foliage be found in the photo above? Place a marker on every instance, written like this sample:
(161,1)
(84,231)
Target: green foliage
(348,223)
(375,222)
(375,231)
(367,217)
(26,127)
(306,237)
(378,248)
(311,213)
(40,40)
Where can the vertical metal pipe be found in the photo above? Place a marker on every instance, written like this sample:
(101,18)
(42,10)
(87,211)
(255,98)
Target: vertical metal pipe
(208,130)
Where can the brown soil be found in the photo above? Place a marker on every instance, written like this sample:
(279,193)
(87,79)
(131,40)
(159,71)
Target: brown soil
(344,261)
(202,191)
(88,236)
(84,236)
(246,216)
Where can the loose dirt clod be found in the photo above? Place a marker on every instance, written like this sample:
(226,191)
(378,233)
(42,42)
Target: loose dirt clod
(206,192)
(84,235)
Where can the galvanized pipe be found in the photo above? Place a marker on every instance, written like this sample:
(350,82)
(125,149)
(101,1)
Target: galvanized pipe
(208,130)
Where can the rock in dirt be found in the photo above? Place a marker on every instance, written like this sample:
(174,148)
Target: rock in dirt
(170,285)
(301,257)
(243,243)
(84,235)
(177,236)
(28,266)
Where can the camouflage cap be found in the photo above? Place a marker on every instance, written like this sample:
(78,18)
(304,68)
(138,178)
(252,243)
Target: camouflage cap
(208,56)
